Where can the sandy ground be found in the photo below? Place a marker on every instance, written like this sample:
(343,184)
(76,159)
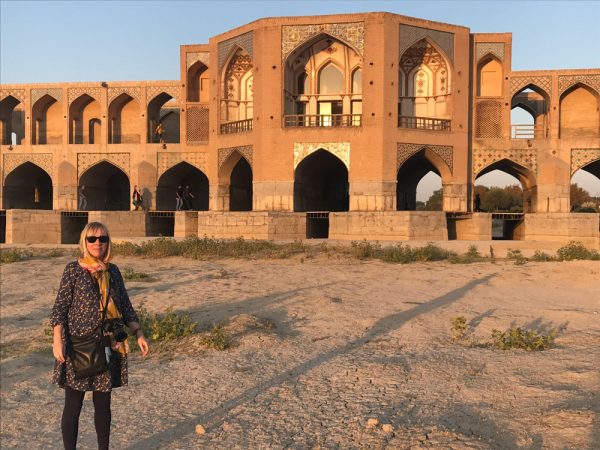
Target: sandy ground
(320,347)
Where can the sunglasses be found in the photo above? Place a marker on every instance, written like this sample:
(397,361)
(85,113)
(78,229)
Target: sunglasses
(92,239)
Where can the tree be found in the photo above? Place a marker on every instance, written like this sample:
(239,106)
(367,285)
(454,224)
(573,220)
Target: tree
(579,196)
(435,202)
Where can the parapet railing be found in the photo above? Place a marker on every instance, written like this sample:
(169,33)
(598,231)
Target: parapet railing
(527,131)
(323,120)
(238,126)
(423,123)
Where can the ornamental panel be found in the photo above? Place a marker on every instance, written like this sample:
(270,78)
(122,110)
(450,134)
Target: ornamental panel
(36,94)
(410,35)
(405,151)
(244,41)
(197,124)
(488,119)
(244,150)
(518,83)
(153,91)
(294,35)
(566,81)
(167,160)
(339,149)
(74,93)
(581,157)
(14,160)
(87,160)
(132,91)
(19,94)
(495,48)
(485,157)
(192,58)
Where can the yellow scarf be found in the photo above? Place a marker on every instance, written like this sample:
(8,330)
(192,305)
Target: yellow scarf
(99,271)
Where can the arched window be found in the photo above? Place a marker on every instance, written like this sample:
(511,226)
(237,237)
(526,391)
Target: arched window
(490,78)
(357,81)
(331,80)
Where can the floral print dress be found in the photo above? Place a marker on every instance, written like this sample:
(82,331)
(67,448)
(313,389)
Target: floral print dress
(77,309)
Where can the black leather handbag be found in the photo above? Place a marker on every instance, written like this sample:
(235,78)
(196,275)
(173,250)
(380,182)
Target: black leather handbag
(87,352)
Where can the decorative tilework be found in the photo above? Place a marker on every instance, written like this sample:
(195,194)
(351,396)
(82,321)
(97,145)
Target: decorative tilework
(405,151)
(294,35)
(581,157)
(75,93)
(566,81)
(132,91)
(245,151)
(495,48)
(244,41)
(410,34)
(14,160)
(153,91)
(197,124)
(339,149)
(36,94)
(542,82)
(482,158)
(87,160)
(191,58)
(167,160)
(19,94)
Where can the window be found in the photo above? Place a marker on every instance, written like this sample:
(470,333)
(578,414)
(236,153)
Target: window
(331,80)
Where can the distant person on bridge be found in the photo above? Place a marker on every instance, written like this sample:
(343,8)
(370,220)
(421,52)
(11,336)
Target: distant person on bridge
(82,206)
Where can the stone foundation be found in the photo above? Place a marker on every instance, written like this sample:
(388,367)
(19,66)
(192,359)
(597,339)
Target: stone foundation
(476,227)
(121,224)
(32,226)
(252,225)
(389,225)
(562,227)
(186,224)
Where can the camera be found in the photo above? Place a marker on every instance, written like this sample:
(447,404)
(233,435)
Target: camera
(116,327)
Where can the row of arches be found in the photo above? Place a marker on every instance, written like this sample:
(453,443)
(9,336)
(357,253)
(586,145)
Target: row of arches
(123,122)
(320,184)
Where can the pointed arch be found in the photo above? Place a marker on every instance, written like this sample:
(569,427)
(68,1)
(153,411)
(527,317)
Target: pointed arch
(84,120)
(235,77)
(159,128)
(490,76)
(182,174)
(312,40)
(47,120)
(124,120)
(27,186)
(12,121)
(197,82)
(578,112)
(235,182)
(330,78)
(107,187)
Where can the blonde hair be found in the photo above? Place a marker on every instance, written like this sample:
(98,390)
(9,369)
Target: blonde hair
(90,228)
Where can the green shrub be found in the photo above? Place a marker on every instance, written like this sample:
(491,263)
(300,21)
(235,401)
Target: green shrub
(541,256)
(365,249)
(130,274)
(517,338)
(459,327)
(8,256)
(217,338)
(516,256)
(472,255)
(404,254)
(576,250)
(163,327)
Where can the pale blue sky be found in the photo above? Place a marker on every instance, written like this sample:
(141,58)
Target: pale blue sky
(54,41)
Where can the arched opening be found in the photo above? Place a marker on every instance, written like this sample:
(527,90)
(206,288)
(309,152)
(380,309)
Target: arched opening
(163,119)
(124,115)
(181,176)
(323,84)
(198,83)
(240,187)
(489,77)
(529,113)
(321,183)
(83,112)
(585,188)
(419,182)
(237,92)
(27,187)
(12,121)
(579,113)
(106,188)
(424,88)
(47,120)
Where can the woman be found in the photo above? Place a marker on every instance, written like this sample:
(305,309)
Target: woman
(88,287)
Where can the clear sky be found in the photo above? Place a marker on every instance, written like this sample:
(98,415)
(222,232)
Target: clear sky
(54,41)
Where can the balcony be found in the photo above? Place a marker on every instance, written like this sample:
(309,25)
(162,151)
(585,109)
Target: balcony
(239,126)
(528,131)
(323,120)
(423,123)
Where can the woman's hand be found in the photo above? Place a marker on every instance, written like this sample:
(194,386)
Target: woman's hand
(57,344)
(143,345)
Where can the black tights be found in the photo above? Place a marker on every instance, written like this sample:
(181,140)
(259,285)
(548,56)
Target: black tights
(70,417)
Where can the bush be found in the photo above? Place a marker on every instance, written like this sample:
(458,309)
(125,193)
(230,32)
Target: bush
(576,250)
(365,250)
(471,256)
(130,274)
(217,338)
(405,254)
(163,327)
(459,327)
(517,338)
(541,256)
(11,256)
(516,256)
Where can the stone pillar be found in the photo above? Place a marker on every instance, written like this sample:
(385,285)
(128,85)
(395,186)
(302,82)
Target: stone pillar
(186,224)
(372,195)
(273,195)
